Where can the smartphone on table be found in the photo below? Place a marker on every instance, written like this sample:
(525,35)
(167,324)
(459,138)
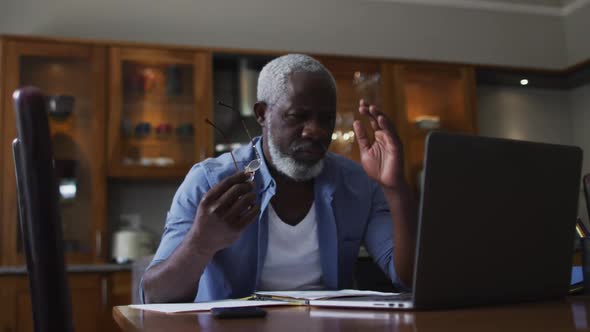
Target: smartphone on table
(239,312)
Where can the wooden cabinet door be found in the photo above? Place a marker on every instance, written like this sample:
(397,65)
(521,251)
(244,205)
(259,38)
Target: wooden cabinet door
(23,312)
(7,304)
(119,293)
(92,295)
(435,92)
(159,100)
(73,77)
(88,299)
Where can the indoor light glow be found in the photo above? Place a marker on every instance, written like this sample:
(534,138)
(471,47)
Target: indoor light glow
(67,189)
(524,81)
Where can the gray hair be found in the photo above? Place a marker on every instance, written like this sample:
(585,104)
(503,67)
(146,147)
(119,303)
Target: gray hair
(272,81)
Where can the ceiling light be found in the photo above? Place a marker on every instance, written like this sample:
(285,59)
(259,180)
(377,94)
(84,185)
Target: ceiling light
(524,81)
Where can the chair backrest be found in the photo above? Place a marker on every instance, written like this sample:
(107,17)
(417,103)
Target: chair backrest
(39,214)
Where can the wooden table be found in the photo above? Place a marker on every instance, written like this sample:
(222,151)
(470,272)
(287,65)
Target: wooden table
(571,314)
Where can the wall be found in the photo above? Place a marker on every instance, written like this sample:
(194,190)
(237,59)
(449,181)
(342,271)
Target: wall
(360,27)
(550,116)
(580,100)
(523,113)
(577,26)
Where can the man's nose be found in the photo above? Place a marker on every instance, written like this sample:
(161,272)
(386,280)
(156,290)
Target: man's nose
(313,129)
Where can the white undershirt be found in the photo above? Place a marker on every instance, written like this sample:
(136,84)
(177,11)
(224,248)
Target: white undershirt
(293,255)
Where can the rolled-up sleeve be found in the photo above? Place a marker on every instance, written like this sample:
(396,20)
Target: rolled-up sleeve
(181,216)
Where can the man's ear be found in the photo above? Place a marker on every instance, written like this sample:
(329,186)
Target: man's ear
(260,110)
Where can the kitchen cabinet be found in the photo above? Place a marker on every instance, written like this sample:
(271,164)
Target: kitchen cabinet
(7,303)
(416,97)
(159,100)
(72,75)
(135,111)
(430,97)
(92,296)
(118,291)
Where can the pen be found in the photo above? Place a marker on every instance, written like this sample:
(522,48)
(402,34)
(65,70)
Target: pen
(581,229)
(258,297)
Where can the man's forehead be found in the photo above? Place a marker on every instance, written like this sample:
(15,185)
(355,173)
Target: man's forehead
(310,107)
(307,91)
(310,85)
(305,102)
(301,80)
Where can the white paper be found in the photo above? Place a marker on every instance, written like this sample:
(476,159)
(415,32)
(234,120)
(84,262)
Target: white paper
(204,306)
(321,294)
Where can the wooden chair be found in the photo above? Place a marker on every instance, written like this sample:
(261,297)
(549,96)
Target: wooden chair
(39,214)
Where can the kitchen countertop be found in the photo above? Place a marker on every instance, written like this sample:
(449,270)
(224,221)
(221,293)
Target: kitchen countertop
(75,268)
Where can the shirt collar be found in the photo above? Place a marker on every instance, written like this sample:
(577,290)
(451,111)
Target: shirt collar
(263,172)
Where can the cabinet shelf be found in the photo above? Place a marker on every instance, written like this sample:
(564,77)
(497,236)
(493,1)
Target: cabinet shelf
(177,100)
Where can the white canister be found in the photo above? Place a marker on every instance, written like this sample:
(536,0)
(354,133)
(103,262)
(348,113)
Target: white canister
(131,241)
(128,245)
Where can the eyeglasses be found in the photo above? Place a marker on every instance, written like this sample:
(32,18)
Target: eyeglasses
(253,165)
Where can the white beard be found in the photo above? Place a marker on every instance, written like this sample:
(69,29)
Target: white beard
(287,165)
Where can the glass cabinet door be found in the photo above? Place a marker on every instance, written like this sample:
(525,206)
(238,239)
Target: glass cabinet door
(159,102)
(355,80)
(71,76)
(434,98)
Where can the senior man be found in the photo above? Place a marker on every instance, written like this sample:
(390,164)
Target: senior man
(301,220)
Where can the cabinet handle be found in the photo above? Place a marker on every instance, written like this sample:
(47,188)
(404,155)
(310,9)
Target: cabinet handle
(104,288)
(98,244)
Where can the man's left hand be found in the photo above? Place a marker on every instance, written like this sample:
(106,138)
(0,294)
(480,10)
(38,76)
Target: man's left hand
(382,159)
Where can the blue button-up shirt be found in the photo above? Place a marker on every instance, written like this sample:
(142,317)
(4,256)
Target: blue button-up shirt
(351,210)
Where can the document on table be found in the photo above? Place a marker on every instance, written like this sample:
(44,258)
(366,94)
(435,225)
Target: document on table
(260,299)
(205,306)
(319,294)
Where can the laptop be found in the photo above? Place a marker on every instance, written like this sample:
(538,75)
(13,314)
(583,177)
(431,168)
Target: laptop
(496,224)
